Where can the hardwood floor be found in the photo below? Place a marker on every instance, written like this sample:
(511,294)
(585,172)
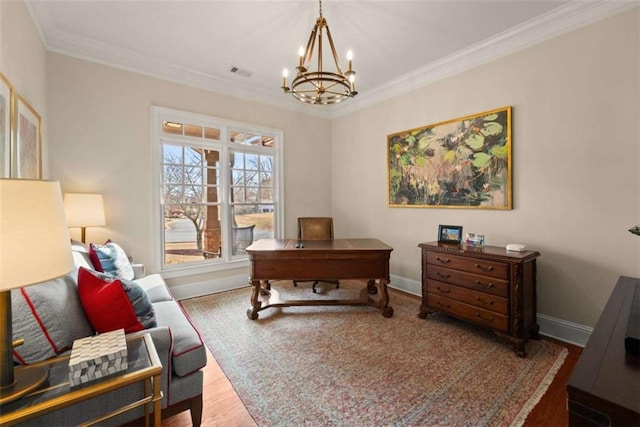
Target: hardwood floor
(223,407)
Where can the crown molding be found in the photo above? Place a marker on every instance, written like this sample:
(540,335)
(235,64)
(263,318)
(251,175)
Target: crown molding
(558,21)
(564,19)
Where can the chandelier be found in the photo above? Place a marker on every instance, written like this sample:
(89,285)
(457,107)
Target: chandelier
(320,86)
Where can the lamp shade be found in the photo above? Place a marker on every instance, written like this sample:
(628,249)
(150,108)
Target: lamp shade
(34,238)
(84,210)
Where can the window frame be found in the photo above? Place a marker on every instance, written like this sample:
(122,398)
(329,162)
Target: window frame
(225,146)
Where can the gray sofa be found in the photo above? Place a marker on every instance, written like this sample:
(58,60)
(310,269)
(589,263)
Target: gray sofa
(55,309)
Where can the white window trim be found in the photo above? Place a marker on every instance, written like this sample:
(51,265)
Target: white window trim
(158,114)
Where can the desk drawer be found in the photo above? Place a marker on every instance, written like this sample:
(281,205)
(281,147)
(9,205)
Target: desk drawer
(499,270)
(468,312)
(468,280)
(479,299)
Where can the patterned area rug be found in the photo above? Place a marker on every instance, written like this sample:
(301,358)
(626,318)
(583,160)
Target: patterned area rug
(349,366)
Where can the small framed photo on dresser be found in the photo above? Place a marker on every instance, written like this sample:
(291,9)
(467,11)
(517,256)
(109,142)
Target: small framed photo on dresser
(450,234)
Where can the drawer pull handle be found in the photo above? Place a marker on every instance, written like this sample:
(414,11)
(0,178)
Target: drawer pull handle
(487,286)
(444,291)
(446,276)
(490,319)
(443,305)
(443,260)
(490,268)
(484,302)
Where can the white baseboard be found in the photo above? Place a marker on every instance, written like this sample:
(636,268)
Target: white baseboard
(198,289)
(563,330)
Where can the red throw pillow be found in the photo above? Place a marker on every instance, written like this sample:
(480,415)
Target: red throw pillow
(106,304)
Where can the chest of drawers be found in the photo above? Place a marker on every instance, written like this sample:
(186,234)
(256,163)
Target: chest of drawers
(488,286)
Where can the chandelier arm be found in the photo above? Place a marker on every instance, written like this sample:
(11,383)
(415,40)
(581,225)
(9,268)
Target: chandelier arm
(333,49)
(322,25)
(310,45)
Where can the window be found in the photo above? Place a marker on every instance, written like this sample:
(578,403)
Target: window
(216,189)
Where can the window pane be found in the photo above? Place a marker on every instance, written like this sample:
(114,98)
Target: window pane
(251,162)
(172,175)
(172,154)
(265,179)
(237,177)
(172,127)
(211,133)
(212,194)
(193,156)
(192,233)
(237,195)
(193,130)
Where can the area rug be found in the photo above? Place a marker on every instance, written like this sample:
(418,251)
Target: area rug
(350,366)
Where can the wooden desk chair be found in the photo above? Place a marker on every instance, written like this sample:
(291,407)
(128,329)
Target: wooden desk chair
(316,228)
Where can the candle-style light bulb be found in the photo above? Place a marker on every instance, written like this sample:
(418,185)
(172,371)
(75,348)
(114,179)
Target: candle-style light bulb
(285,74)
(301,54)
(349,58)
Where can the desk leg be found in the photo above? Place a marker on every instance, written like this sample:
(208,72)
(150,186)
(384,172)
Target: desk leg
(252,312)
(387,311)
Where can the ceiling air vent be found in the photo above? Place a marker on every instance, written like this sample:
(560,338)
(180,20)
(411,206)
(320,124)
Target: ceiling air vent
(240,72)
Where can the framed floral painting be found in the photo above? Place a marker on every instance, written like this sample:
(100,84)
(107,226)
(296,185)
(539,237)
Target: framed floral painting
(6,103)
(27,152)
(460,163)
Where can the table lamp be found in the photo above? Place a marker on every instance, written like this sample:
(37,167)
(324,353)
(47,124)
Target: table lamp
(84,210)
(34,248)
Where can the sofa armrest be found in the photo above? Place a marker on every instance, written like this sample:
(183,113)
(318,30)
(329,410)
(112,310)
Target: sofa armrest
(138,271)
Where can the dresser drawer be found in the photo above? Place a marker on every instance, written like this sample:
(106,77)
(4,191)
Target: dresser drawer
(479,299)
(468,312)
(472,281)
(495,269)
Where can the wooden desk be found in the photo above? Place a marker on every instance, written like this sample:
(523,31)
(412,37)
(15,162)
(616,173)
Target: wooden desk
(604,387)
(279,259)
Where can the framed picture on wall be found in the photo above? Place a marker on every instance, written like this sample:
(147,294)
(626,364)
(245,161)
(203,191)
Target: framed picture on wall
(6,103)
(459,163)
(27,147)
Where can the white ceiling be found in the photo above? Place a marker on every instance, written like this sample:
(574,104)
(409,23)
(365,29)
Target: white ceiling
(397,45)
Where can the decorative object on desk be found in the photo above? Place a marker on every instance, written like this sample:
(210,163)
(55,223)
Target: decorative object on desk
(474,240)
(460,163)
(635,230)
(364,370)
(322,87)
(21,206)
(6,112)
(84,210)
(450,234)
(97,356)
(27,144)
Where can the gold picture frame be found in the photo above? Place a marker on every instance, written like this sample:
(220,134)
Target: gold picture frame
(27,145)
(6,118)
(459,163)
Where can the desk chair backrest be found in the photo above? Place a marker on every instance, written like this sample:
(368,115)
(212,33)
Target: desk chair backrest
(315,228)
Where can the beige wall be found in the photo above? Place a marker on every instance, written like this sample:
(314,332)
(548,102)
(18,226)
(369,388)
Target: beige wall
(100,139)
(23,61)
(576,163)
